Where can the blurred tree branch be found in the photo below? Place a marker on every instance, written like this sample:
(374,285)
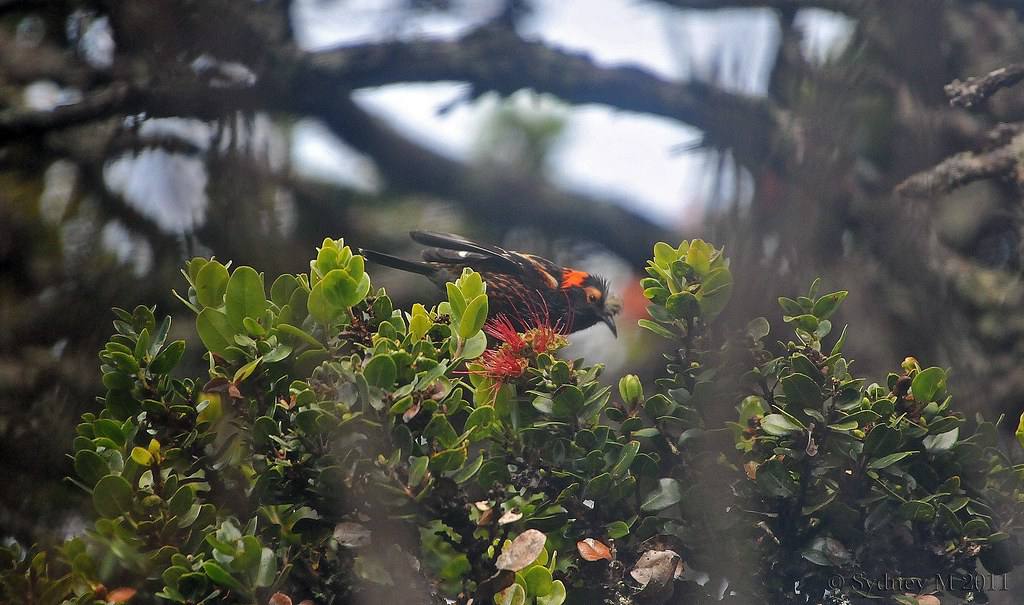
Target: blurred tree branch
(963,168)
(1006,142)
(497,59)
(974,90)
(487,194)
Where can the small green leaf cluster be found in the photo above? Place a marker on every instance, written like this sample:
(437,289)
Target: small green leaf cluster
(689,282)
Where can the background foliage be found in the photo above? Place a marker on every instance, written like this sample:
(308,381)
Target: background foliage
(134,136)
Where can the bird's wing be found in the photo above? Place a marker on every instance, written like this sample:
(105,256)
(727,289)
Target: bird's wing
(455,249)
(546,271)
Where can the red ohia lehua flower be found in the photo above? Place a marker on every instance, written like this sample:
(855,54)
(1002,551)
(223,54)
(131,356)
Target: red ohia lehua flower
(511,356)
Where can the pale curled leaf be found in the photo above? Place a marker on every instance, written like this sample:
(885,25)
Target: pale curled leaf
(524,550)
(658,566)
(352,535)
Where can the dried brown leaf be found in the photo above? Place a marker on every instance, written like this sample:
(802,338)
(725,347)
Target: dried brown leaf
(593,550)
(121,595)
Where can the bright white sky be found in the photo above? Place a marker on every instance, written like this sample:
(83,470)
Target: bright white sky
(609,153)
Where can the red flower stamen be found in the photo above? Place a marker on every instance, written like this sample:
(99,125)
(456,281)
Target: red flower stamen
(500,328)
(509,360)
(502,364)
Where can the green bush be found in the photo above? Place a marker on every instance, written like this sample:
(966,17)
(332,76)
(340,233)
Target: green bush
(341,449)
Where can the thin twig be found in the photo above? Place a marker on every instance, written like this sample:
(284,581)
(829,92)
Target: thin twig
(962,169)
(974,90)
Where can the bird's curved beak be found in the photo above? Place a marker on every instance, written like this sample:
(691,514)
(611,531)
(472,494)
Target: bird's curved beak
(609,320)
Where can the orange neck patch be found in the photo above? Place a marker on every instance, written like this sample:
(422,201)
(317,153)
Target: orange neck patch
(572,278)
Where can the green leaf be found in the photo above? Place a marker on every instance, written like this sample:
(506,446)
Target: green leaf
(474,346)
(244,296)
(1020,431)
(941,442)
(665,495)
(598,486)
(790,307)
(246,371)
(210,283)
(282,289)
(333,295)
(142,346)
(664,254)
(555,597)
(466,472)
(778,425)
(801,391)
(655,328)
(480,418)
(774,479)
(215,330)
(440,429)
(567,401)
(266,571)
(626,457)
(683,305)
(381,371)
(182,500)
(617,529)
(418,470)
(927,383)
(299,335)
(758,328)
(455,299)
(90,466)
(420,322)
(219,575)
(538,580)
(802,365)
(825,306)
(699,256)
(249,557)
(513,595)
(470,283)
(278,353)
(881,440)
(917,510)
(715,292)
(167,358)
(887,461)
(474,317)
(112,496)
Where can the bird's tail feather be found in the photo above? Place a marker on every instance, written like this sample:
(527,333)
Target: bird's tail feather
(398,263)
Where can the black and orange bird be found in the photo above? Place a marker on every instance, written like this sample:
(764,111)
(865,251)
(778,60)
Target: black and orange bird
(522,287)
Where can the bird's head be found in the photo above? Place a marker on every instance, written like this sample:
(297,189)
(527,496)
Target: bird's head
(590,299)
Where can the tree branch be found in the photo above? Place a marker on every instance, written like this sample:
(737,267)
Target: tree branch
(15,123)
(490,194)
(975,90)
(963,168)
(497,59)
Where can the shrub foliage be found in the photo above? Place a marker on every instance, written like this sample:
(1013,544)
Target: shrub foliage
(341,449)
